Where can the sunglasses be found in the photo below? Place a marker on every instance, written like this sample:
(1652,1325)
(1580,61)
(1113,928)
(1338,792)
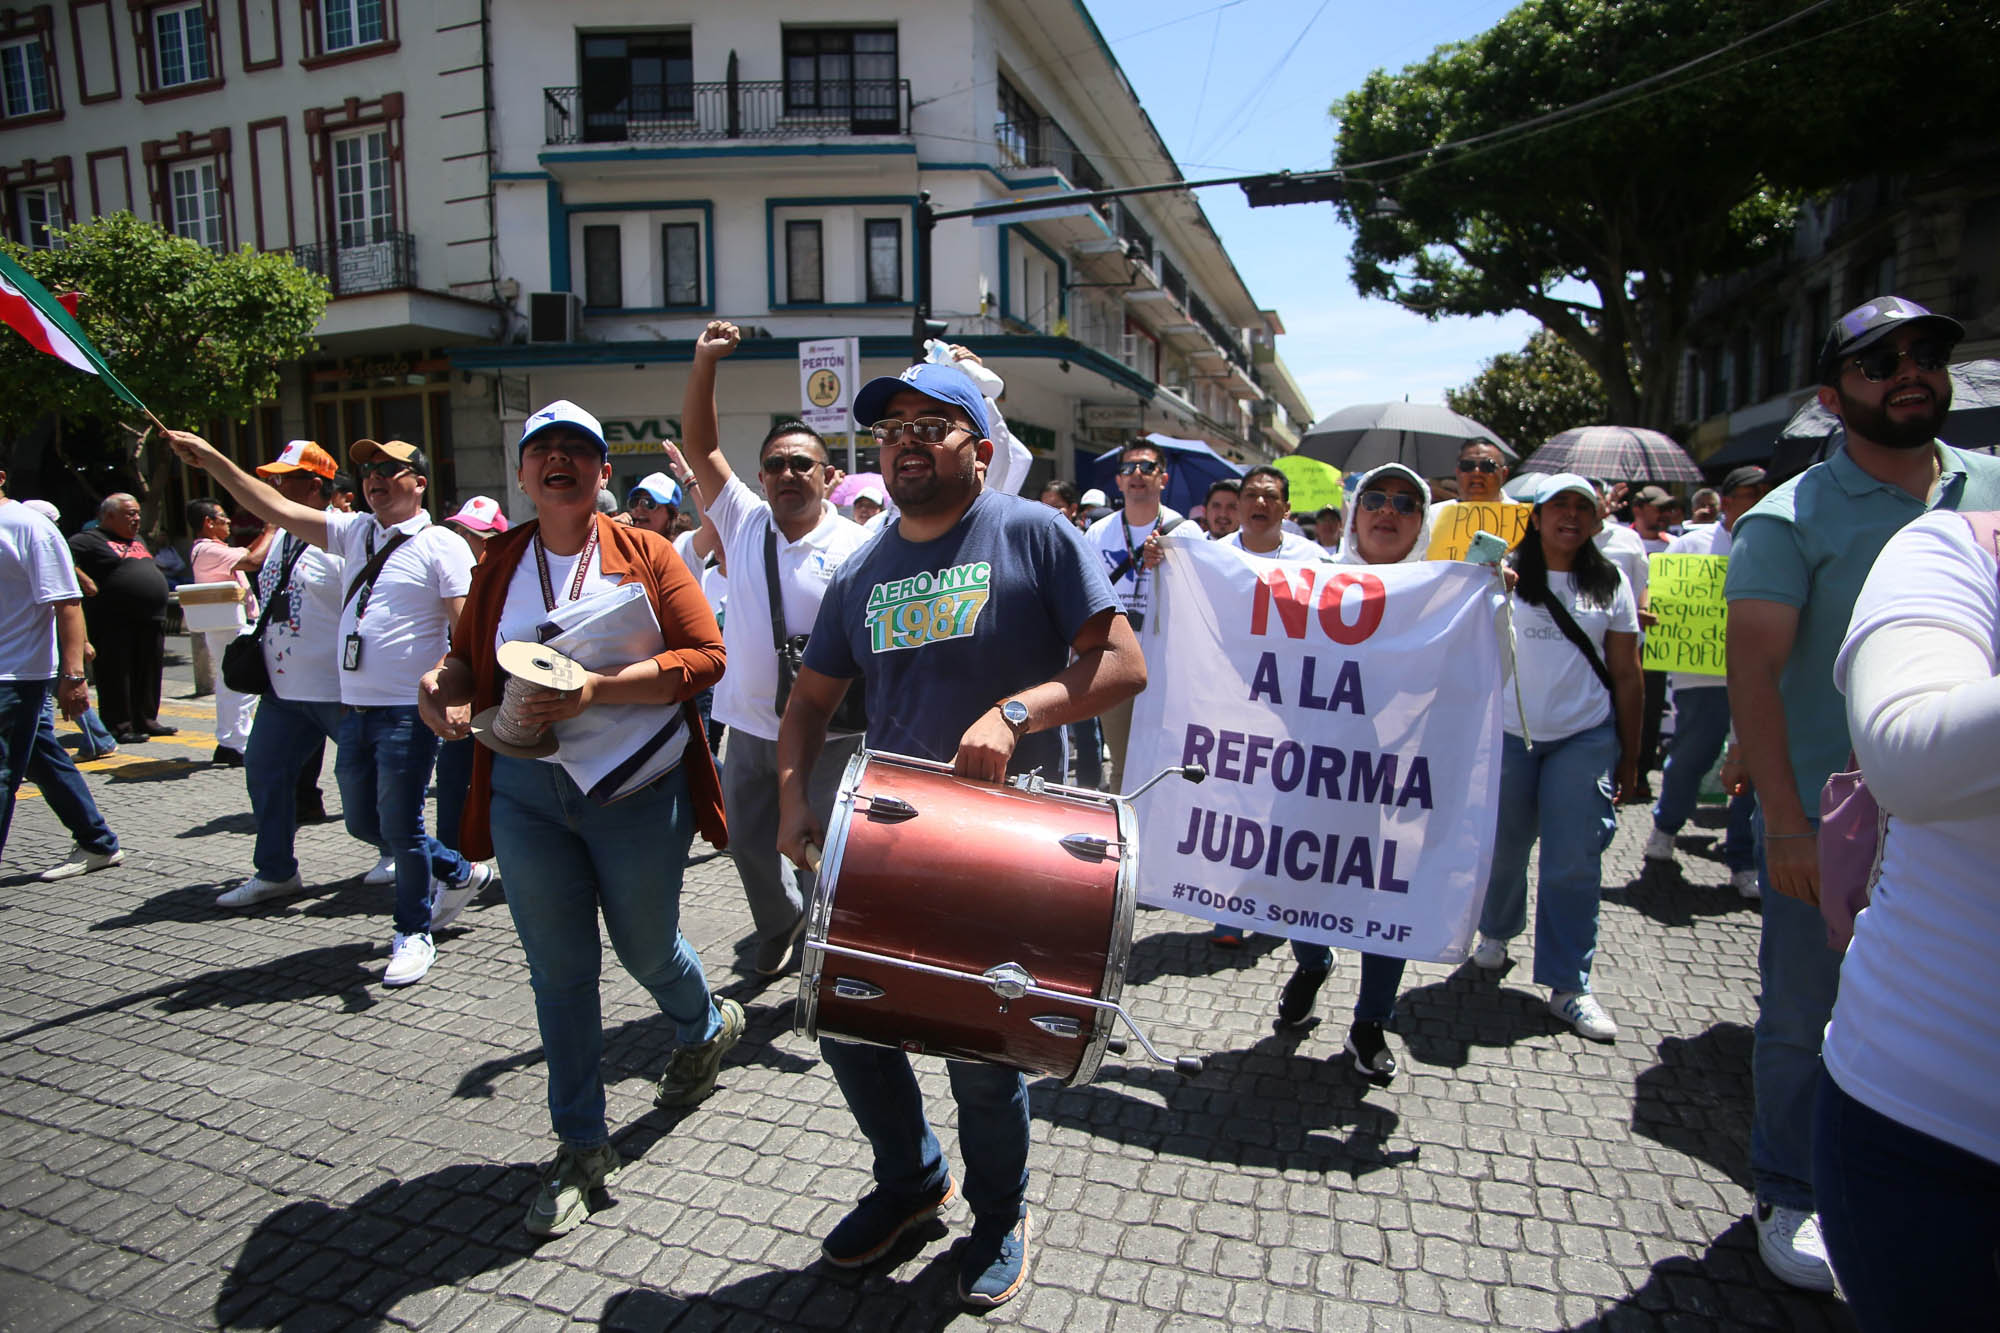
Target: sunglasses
(924,430)
(1402,504)
(1477,465)
(1879,363)
(776,465)
(384,468)
(1143,467)
(641,500)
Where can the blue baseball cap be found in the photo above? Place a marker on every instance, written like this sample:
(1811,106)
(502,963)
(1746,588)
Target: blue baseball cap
(562,412)
(663,489)
(944,383)
(1564,481)
(1871,322)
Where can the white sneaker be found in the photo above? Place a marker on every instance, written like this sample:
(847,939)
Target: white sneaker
(255,890)
(80,862)
(1745,884)
(410,956)
(383,873)
(1660,846)
(1491,954)
(449,900)
(1788,1241)
(1580,1009)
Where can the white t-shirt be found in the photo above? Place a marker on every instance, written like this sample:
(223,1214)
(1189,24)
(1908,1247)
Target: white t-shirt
(746,697)
(1291,546)
(1627,550)
(302,649)
(1560,694)
(36,572)
(1915,1032)
(526,608)
(1707,539)
(405,629)
(1112,538)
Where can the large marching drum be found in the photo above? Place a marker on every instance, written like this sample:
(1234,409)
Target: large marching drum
(972,920)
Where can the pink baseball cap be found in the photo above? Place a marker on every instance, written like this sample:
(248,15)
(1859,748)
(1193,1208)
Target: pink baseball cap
(482,514)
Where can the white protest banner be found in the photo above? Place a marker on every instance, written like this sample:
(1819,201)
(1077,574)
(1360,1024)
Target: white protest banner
(1349,720)
(827,371)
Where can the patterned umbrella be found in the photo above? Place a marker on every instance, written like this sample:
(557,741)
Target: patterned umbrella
(1615,453)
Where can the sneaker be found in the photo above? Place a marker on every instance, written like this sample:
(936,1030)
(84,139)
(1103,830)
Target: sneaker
(1295,1006)
(410,956)
(878,1222)
(1369,1045)
(383,873)
(254,890)
(994,1263)
(449,900)
(1227,937)
(691,1073)
(1660,846)
(1788,1241)
(1491,954)
(563,1202)
(1580,1009)
(81,862)
(1745,884)
(779,954)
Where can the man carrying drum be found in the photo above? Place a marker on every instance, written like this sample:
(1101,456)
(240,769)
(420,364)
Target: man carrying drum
(960,619)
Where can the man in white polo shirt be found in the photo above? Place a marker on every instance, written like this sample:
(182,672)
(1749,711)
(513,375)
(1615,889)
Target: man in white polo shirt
(1264,502)
(800,533)
(405,580)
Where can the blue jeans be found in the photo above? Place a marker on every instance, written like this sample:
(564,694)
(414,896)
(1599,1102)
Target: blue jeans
(29,752)
(1799,978)
(383,768)
(454,780)
(1087,739)
(1909,1221)
(1701,726)
(97,738)
(881,1091)
(1381,976)
(1560,791)
(565,858)
(285,736)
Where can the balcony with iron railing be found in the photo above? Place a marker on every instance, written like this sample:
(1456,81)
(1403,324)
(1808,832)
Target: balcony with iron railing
(733,109)
(354,268)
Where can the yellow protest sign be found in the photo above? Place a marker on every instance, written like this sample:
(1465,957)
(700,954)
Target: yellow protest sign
(1314,485)
(1457,524)
(1685,592)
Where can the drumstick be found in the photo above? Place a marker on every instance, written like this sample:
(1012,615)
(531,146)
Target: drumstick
(812,857)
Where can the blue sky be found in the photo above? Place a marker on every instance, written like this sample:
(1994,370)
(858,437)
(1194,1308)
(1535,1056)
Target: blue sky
(1219,85)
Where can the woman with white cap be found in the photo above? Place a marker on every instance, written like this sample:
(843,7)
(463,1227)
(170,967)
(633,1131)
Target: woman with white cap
(1392,526)
(1571,748)
(619,847)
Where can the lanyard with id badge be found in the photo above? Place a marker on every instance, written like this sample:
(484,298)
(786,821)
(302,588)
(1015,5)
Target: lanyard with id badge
(364,586)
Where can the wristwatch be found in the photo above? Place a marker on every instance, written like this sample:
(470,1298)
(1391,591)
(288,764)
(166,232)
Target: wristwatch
(68,679)
(1015,714)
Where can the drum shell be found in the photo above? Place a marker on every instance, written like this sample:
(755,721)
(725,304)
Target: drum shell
(978,877)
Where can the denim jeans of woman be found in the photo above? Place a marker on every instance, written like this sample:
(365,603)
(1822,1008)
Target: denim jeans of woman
(384,767)
(565,859)
(1560,793)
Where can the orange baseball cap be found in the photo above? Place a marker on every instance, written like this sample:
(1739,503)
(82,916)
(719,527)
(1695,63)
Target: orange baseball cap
(301,456)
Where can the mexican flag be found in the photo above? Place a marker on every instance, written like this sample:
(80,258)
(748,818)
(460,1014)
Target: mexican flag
(50,326)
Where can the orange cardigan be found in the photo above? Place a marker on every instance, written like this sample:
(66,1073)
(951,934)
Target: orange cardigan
(693,655)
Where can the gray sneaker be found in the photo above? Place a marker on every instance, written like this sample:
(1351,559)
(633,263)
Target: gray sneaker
(563,1202)
(448,901)
(81,862)
(254,890)
(690,1075)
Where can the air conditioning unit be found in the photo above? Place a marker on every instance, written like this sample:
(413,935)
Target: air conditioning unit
(554,317)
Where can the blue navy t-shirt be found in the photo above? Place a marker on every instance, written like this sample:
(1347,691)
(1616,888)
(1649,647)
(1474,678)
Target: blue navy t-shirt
(942,630)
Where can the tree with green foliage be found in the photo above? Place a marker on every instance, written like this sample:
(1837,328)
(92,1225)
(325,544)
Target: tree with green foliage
(198,336)
(1638,201)
(1529,395)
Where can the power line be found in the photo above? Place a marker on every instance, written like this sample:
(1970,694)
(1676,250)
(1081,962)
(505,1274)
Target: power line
(1263,85)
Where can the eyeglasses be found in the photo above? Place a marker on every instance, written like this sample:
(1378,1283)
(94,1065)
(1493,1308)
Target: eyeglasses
(776,465)
(924,430)
(384,468)
(1879,363)
(1476,465)
(641,500)
(1402,504)
(1144,467)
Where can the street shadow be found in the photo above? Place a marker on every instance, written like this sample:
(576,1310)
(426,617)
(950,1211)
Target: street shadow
(196,902)
(1662,893)
(241,821)
(1191,953)
(1697,1100)
(340,970)
(818,1296)
(1441,1023)
(153,770)
(1267,1106)
(640,1047)
(1726,1287)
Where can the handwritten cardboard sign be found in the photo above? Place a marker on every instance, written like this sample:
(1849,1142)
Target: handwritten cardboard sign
(1686,594)
(1457,524)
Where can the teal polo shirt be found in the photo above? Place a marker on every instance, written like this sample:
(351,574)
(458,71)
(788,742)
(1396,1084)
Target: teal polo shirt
(1810,544)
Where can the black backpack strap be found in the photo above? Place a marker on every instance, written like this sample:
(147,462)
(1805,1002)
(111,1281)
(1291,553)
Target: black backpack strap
(1574,633)
(284,581)
(373,569)
(771,582)
(1125,566)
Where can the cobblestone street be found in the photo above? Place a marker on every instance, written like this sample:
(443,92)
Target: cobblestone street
(217,1120)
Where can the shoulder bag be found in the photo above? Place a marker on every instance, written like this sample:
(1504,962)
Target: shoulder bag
(243,668)
(852,714)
